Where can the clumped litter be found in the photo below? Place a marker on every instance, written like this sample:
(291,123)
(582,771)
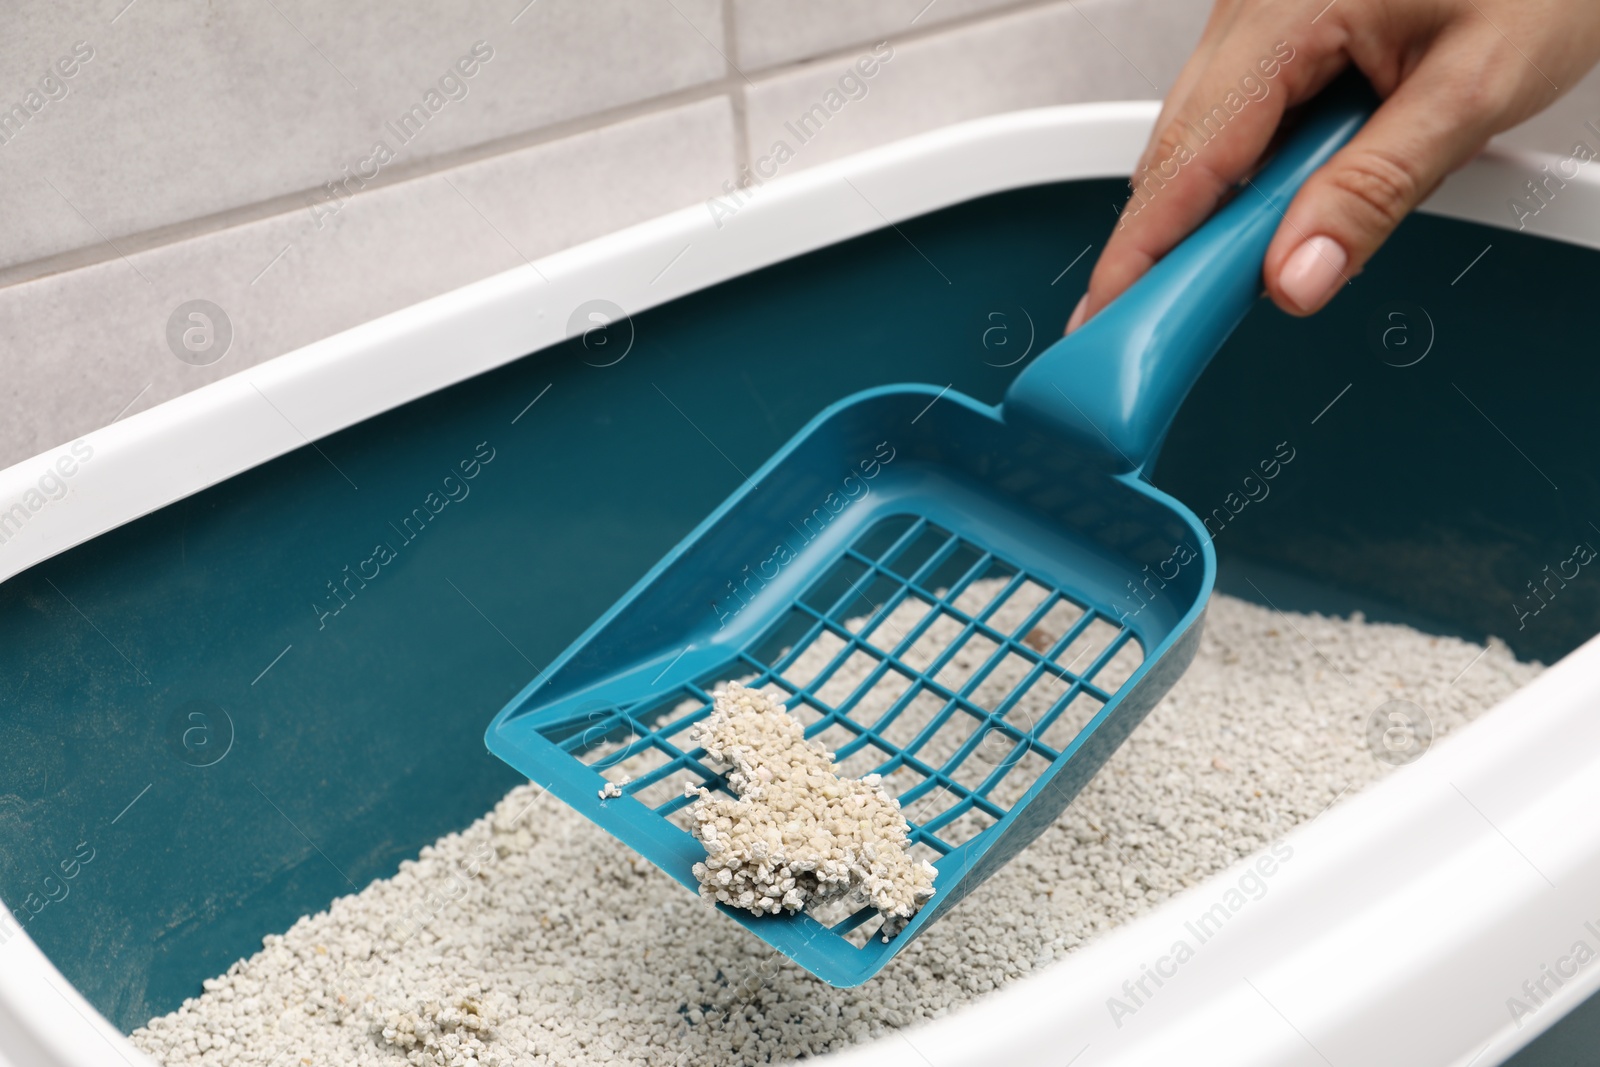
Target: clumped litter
(534,938)
(796,833)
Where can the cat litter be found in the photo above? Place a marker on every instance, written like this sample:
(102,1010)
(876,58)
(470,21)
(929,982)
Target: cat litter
(516,941)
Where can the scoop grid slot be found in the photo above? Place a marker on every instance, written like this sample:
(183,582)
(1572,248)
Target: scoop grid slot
(907,659)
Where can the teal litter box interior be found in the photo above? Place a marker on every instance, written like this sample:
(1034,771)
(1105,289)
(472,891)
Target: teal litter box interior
(355,729)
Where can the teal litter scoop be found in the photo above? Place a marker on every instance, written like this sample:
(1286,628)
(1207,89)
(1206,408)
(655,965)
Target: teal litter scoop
(907,514)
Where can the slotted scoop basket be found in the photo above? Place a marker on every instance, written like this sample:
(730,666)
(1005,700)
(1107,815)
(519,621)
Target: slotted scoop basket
(977,602)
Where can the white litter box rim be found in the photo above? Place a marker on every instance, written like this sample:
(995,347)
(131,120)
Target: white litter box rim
(1532,765)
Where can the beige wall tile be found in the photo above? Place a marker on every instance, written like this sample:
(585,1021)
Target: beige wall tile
(83,345)
(770,32)
(199,116)
(190,108)
(1060,53)
(1556,129)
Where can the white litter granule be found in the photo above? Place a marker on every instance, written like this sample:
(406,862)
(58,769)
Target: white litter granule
(535,938)
(436,1031)
(796,833)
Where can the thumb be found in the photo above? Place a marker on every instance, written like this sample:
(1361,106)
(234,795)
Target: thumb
(1437,119)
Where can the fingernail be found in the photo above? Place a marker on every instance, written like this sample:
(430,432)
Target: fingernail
(1078,313)
(1313,273)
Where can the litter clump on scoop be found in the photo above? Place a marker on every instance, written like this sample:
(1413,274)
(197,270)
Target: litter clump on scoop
(797,835)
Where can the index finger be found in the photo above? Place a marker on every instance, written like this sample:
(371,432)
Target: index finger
(1209,141)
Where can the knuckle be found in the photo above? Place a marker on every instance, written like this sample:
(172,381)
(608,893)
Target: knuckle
(1494,90)
(1382,187)
(1484,94)
(1172,156)
(1480,85)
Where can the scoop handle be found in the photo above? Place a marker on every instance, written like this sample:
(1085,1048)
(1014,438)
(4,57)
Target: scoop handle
(1115,384)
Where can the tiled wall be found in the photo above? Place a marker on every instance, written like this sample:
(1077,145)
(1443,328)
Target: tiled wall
(188,152)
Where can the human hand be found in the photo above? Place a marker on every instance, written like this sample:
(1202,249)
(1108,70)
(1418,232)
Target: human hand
(1452,73)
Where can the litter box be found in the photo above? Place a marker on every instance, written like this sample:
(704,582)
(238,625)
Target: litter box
(219,712)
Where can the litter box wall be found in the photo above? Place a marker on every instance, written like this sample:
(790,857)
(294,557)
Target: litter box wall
(230,598)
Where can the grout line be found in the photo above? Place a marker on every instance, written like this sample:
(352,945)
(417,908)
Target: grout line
(721,50)
(95,228)
(910,34)
(730,86)
(399,174)
(739,104)
(736,89)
